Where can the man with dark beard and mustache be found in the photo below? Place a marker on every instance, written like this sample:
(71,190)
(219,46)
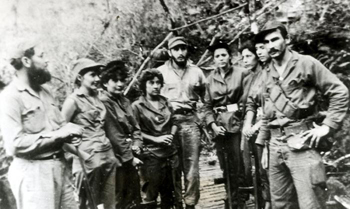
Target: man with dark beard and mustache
(184,86)
(34,132)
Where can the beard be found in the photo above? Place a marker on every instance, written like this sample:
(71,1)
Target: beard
(38,76)
(181,64)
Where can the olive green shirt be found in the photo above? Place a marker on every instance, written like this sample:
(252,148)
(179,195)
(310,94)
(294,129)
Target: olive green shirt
(302,78)
(27,118)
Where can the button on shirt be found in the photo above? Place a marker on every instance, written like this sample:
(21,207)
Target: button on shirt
(304,75)
(155,122)
(223,91)
(121,125)
(27,117)
(182,89)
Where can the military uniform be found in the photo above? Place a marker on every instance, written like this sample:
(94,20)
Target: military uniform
(161,162)
(251,98)
(221,93)
(123,131)
(38,174)
(101,165)
(183,88)
(297,174)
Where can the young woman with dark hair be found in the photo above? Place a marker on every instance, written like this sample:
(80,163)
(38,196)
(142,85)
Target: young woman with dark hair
(155,116)
(84,108)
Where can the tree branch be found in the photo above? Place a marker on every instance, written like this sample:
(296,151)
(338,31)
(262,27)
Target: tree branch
(209,18)
(243,30)
(146,61)
(206,51)
(166,9)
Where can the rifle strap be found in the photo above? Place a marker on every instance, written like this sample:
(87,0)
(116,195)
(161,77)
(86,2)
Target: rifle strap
(281,102)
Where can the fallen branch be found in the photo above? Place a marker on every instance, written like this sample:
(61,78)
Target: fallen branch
(209,18)
(206,51)
(145,62)
(167,11)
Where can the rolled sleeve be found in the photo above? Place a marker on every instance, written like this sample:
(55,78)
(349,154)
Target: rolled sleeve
(17,141)
(337,93)
(264,132)
(208,107)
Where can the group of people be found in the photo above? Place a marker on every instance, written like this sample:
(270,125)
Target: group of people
(117,149)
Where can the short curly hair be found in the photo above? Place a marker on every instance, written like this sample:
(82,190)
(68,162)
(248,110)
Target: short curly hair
(114,70)
(17,63)
(248,45)
(148,75)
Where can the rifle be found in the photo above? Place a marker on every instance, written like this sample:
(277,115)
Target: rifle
(228,178)
(255,174)
(89,191)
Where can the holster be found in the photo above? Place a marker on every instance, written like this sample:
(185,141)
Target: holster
(229,121)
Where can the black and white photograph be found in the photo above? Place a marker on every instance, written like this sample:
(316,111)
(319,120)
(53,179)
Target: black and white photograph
(175,104)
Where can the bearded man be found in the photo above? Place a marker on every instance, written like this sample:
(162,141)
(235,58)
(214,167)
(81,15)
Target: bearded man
(34,133)
(184,85)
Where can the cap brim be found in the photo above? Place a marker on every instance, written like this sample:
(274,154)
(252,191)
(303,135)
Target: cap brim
(177,43)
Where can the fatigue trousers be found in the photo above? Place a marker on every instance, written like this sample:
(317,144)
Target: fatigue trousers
(188,141)
(249,148)
(297,178)
(41,184)
(127,186)
(101,167)
(162,178)
(230,145)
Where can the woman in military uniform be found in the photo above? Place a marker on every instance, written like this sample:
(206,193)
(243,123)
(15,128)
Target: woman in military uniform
(223,93)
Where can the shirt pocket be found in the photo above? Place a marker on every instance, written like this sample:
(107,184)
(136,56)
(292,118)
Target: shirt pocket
(295,85)
(171,90)
(91,116)
(34,119)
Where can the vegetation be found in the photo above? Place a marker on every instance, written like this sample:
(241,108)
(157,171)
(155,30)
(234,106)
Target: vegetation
(106,30)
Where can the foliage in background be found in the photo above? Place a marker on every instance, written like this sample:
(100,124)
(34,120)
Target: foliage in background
(106,30)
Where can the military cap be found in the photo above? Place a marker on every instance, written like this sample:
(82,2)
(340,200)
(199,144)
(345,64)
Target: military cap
(176,41)
(269,26)
(220,44)
(21,47)
(85,65)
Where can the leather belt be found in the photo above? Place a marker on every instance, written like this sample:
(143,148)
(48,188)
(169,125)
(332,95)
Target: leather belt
(294,129)
(184,111)
(52,157)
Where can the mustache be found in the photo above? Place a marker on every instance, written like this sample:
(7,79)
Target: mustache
(273,50)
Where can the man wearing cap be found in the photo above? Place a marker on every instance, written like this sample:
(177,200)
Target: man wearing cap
(297,174)
(34,132)
(184,85)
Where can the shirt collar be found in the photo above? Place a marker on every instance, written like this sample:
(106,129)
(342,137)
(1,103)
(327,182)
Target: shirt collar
(171,66)
(145,102)
(21,86)
(217,75)
(81,93)
(291,63)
